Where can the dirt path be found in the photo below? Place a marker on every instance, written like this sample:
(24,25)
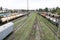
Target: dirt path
(32,33)
(37,35)
(36,31)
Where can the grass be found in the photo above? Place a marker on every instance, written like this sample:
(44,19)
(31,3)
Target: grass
(18,22)
(48,34)
(23,33)
(54,26)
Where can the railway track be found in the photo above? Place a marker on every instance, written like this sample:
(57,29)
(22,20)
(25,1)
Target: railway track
(17,19)
(33,32)
(23,23)
(55,33)
(41,30)
(15,30)
(52,29)
(19,22)
(36,31)
(11,37)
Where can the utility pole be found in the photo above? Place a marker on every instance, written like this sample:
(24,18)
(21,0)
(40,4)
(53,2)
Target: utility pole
(27,7)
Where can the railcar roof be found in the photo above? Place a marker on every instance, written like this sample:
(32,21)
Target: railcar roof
(5,26)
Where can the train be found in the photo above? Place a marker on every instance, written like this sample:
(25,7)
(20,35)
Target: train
(53,18)
(6,30)
(5,19)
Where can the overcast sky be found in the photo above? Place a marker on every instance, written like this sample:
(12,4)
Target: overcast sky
(33,4)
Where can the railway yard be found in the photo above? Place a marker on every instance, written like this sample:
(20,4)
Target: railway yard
(33,27)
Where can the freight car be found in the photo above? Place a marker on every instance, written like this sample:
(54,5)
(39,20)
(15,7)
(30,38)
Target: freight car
(2,20)
(51,17)
(5,30)
(53,20)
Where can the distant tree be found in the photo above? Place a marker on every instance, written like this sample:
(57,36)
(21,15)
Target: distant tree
(46,9)
(15,11)
(11,11)
(57,8)
(23,10)
(37,10)
(40,9)
(58,11)
(53,10)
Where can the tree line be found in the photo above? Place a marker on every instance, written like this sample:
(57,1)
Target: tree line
(52,10)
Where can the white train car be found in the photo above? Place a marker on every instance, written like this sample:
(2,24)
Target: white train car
(51,18)
(54,20)
(5,30)
(48,17)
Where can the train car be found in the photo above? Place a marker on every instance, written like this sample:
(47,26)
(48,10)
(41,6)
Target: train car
(43,14)
(6,29)
(48,17)
(51,17)
(2,20)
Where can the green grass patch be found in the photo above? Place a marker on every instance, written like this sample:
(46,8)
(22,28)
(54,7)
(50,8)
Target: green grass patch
(55,27)
(48,34)
(18,22)
(23,33)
